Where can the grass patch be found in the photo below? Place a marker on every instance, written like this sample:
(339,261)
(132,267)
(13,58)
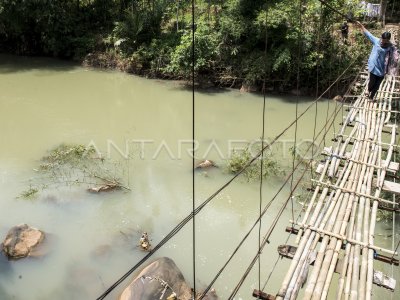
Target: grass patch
(239,159)
(70,164)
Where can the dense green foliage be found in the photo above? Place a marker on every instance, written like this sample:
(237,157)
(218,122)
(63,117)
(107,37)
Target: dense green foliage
(236,41)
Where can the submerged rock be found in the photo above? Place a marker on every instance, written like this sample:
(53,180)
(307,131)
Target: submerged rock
(102,252)
(21,240)
(159,280)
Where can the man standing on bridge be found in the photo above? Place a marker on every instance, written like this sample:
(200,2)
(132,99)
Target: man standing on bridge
(382,60)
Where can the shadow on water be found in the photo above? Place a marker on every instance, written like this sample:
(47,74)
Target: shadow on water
(186,86)
(5,269)
(214,90)
(287,98)
(5,266)
(13,64)
(4,295)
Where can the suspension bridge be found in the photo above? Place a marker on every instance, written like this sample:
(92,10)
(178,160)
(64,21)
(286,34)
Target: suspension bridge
(336,234)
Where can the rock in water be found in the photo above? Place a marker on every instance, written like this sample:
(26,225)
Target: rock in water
(144,242)
(338,98)
(205,164)
(147,285)
(21,240)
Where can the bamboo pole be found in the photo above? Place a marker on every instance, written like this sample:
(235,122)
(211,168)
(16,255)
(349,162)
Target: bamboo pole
(342,230)
(309,291)
(373,220)
(369,231)
(323,173)
(349,274)
(356,257)
(311,204)
(308,234)
(366,188)
(294,280)
(384,110)
(345,282)
(352,211)
(314,236)
(329,263)
(393,82)
(380,143)
(355,192)
(364,268)
(298,261)
(375,130)
(293,289)
(344,213)
(335,163)
(341,281)
(314,275)
(354,112)
(365,222)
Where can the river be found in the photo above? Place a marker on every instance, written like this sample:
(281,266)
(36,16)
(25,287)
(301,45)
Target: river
(145,127)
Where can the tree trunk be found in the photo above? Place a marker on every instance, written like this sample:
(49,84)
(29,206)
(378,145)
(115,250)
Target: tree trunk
(382,14)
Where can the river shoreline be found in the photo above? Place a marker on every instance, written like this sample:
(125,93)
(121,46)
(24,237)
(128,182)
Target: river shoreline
(113,61)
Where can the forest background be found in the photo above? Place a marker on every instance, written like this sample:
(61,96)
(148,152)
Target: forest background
(238,43)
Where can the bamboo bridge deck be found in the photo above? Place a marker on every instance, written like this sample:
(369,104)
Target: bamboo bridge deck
(337,231)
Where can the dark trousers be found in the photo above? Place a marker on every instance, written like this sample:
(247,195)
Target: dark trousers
(373,85)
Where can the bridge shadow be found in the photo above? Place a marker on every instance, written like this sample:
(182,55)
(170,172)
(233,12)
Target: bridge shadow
(10,63)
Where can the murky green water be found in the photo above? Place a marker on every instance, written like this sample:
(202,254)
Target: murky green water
(46,102)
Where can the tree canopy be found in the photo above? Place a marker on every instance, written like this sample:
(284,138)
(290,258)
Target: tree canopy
(236,41)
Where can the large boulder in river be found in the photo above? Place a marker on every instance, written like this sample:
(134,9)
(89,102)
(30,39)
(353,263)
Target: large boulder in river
(21,240)
(149,284)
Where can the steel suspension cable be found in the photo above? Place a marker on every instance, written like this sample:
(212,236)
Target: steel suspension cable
(314,138)
(266,237)
(193,155)
(265,240)
(330,74)
(331,119)
(262,144)
(394,200)
(287,239)
(316,92)
(275,220)
(394,212)
(294,154)
(290,196)
(181,224)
